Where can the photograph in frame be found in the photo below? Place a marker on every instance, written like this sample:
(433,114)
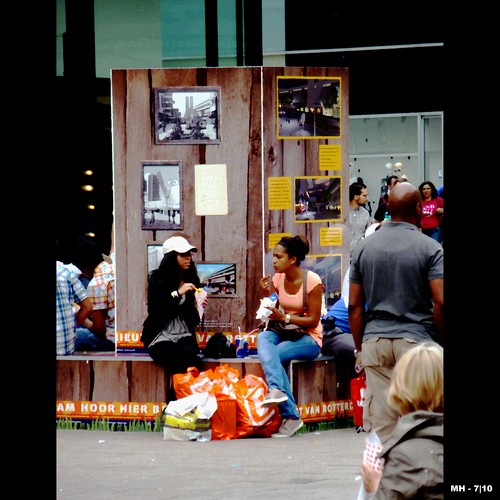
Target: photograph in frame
(218,278)
(161,195)
(317,199)
(329,268)
(308,107)
(187,115)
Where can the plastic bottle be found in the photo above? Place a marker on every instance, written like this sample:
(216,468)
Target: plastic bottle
(245,348)
(241,348)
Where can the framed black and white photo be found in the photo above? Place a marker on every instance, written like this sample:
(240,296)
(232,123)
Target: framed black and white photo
(187,115)
(161,195)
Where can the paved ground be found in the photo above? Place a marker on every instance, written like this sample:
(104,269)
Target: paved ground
(141,465)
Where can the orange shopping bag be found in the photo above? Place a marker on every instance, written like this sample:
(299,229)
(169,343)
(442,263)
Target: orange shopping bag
(251,417)
(224,419)
(216,381)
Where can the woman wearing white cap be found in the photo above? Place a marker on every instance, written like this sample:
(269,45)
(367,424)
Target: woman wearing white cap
(171,296)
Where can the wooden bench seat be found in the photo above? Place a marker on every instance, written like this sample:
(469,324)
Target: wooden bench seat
(105,376)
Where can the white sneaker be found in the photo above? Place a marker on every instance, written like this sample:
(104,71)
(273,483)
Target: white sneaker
(273,398)
(288,428)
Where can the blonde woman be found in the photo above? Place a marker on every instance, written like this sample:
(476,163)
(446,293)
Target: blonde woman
(414,453)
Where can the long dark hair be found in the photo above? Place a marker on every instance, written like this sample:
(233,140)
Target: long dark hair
(171,274)
(162,282)
(434,192)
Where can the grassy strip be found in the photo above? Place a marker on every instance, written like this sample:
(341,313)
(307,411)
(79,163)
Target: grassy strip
(104,424)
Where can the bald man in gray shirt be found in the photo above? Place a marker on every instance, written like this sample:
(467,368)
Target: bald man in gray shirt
(398,271)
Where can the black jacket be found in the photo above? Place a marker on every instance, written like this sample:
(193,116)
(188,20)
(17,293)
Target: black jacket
(162,307)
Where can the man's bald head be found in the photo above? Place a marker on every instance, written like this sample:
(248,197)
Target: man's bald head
(405,203)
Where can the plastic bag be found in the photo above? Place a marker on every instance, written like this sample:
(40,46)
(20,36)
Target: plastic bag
(251,417)
(248,393)
(224,419)
(183,382)
(358,390)
(188,419)
(263,312)
(216,381)
(373,448)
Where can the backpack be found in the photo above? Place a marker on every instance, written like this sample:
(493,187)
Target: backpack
(219,346)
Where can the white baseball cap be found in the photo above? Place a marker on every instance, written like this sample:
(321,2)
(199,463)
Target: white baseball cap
(178,244)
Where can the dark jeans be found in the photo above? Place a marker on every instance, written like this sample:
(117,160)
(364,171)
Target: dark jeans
(435,233)
(176,357)
(341,346)
(88,341)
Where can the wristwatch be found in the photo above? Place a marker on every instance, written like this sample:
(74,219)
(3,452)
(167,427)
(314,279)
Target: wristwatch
(357,353)
(287,319)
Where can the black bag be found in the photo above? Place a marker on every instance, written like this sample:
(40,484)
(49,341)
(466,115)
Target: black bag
(219,346)
(280,327)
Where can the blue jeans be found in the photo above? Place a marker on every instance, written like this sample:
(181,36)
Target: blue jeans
(275,354)
(87,341)
(435,233)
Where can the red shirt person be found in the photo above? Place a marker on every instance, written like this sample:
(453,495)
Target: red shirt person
(432,211)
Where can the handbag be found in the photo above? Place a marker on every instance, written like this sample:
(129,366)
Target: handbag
(219,346)
(280,327)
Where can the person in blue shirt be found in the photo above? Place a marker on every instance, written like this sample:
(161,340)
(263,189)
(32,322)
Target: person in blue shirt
(339,312)
(339,342)
(337,337)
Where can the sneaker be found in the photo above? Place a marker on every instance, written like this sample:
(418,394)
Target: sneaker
(273,398)
(288,428)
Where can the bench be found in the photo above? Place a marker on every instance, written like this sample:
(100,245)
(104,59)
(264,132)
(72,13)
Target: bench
(135,377)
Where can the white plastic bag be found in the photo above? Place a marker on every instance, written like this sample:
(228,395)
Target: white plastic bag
(373,447)
(188,419)
(263,312)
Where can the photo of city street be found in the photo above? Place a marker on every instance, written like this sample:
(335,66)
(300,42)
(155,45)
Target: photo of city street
(317,199)
(308,107)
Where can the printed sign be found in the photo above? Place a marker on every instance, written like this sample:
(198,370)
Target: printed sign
(129,411)
(91,410)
